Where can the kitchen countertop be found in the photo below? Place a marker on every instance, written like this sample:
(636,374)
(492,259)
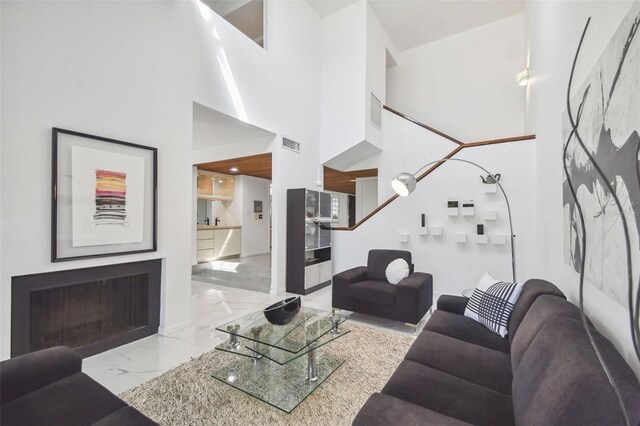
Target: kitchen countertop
(205,227)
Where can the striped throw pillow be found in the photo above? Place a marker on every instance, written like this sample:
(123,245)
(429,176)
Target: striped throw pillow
(492,303)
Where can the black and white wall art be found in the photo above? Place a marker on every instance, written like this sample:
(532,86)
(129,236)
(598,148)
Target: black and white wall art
(606,111)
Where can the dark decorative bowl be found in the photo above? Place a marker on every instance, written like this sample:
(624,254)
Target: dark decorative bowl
(284,311)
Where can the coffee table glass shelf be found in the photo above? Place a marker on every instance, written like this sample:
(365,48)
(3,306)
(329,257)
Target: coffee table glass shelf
(272,366)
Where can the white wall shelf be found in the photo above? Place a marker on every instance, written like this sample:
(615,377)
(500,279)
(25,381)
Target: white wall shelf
(499,239)
(435,230)
(460,237)
(490,188)
(482,239)
(470,210)
(403,237)
(423,230)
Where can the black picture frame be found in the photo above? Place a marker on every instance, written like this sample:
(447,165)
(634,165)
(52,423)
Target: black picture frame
(56,255)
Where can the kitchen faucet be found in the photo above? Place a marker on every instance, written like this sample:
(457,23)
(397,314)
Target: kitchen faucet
(217,220)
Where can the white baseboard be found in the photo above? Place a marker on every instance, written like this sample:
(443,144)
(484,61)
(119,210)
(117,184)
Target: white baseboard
(257,253)
(174,327)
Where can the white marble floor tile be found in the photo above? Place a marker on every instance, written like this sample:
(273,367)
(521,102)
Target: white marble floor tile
(130,365)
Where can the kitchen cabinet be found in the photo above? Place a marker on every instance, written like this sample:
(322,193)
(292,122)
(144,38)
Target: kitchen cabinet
(215,186)
(227,242)
(215,243)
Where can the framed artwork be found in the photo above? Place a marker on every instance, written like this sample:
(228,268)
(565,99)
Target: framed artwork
(104,197)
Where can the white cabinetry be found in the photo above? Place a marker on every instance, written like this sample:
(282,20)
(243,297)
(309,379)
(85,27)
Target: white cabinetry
(227,242)
(204,245)
(216,243)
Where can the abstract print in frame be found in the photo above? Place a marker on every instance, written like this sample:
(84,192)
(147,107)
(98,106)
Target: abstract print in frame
(104,197)
(606,111)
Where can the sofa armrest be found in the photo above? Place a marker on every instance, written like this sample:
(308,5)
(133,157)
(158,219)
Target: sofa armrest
(350,276)
(383,410)
(24,374)
(414,296)
(453,304)
(341,282)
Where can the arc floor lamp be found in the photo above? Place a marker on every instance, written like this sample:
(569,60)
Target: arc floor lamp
(405,183)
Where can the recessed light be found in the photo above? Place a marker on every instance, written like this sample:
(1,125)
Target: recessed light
(234,169)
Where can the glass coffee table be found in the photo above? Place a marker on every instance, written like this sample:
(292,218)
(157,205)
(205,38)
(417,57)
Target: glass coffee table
(280,364)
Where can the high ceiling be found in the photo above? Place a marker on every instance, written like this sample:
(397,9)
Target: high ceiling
(411,23)
(254,165)
(335,180)
(327,7)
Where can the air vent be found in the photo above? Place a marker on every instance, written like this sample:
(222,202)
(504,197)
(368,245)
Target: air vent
(376,111)
(291,145)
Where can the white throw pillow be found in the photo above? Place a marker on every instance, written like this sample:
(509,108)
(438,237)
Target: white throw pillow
(397,270)
(492,303)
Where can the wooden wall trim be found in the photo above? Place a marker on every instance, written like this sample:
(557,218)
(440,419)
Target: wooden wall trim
(459,148)
(424,126)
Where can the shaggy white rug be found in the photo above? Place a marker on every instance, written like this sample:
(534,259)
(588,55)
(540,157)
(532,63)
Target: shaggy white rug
(188,395)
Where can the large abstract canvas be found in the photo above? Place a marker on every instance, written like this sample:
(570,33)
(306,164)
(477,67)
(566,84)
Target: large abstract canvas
(104,197)
(606,111)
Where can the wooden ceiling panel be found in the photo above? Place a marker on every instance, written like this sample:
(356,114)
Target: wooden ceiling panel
(254,165)
(335,180)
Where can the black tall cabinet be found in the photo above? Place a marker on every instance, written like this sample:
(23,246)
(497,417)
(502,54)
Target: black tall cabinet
(308,240)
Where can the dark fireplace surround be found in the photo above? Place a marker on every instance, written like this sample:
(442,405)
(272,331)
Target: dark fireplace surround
(90,310)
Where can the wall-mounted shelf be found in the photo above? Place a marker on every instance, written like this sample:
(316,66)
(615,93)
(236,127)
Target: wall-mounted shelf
(490,188)
(468,208)
(482,239)
(460,237)
(435,230)
(423,230)
(499,239)
(403,237)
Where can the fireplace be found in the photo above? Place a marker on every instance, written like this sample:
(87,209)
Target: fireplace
(90,310)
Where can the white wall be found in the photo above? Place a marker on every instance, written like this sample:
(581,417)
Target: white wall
(131,71)
(343,79)
(255,232)
(464,85)
(378,42)
(454,266)
(554,29)
(366,196)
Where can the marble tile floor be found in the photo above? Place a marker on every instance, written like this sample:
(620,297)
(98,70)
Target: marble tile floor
(248,273)
(130,365)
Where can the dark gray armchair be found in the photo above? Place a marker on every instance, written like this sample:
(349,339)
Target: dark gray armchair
(365,289)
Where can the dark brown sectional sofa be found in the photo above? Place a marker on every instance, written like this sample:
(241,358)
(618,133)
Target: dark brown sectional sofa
(48,387)
(544,373)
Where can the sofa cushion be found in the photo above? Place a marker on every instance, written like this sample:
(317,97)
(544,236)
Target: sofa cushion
(449,395)
(492,302)
(544,308)
(531,289)
(74,400)
(463,328)
(379,259)
(559,380)
(461,359)
(380,292)
(396,271)
(385,410)
(127,416)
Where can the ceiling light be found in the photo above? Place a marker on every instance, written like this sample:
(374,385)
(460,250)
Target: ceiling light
(523,77)
(234,170)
